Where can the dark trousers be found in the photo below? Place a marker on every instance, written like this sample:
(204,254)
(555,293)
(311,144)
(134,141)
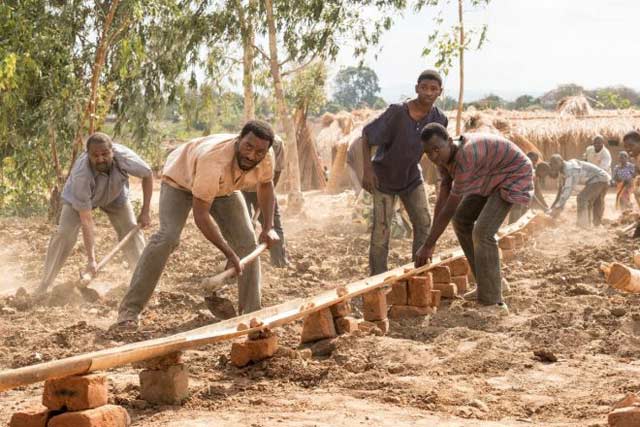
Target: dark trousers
(476,223)
(277,251)
(591,204)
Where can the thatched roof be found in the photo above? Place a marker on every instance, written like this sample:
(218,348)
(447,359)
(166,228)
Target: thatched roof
(574,106)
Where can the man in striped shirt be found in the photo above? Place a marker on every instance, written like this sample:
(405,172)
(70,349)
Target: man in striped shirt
(483,176)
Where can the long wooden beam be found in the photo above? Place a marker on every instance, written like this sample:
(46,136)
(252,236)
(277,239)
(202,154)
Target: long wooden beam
(270,317)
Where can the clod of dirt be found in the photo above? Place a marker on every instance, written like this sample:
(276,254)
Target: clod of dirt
(21,300)
(220,307)
(65,294)
(618,311)
(324,348)
(545,355)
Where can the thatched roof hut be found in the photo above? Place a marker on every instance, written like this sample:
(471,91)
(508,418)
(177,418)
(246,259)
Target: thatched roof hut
(574,106)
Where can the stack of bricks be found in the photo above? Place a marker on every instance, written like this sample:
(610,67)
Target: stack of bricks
(375,309)
(77,401)
(164,380)
(460,272)
(258,346)
(344,323)
(415,297)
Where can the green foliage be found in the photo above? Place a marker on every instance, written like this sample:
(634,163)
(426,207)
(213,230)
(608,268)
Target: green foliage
(489,102)
(447,103)
(307,89)
(356,87)
(524,102)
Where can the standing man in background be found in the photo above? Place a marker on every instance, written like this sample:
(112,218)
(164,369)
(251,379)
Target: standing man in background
(597,154)
(278,250)
(99,179)
(395,169)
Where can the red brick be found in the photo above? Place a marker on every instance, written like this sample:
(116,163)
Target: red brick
(253,350)
(318,326)
(436,296)
(507,255)
(408,311)
(35,416)
(447,290)
(161,362)
(341,309)
(520,239)
(75,393)
(625,417)
(104,416)
(630,399)
(507,242)
(459,267)
(462,283)
(398,294)
(346,325)
(166,386)
(420,291)
(383,325)
(375,305)
(440,274)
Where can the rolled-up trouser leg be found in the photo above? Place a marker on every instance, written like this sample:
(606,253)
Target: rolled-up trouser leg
(381,233)
(417,206)
(61,244)
(232,216)
(174,209)
(123,220)
(463,221)
(485,248)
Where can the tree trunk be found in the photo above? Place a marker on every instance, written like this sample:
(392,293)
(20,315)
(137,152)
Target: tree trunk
(461,93)
(311,173)
(291,149)
(248,55)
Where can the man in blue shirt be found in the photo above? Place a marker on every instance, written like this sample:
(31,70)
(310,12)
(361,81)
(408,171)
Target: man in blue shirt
(394,172)
(99,179)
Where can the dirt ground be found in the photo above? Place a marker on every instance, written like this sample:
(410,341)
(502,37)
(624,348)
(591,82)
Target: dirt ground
(462,367)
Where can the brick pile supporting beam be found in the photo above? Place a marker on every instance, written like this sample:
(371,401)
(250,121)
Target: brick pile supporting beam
(267,318)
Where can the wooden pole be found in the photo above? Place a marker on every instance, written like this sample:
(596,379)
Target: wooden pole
(270,317)
(212,283)
(86,277)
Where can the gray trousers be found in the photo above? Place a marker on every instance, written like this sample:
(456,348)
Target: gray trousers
(591,204)
(476,223)
(64,239)
(277,251)
(230,212)
(417,206)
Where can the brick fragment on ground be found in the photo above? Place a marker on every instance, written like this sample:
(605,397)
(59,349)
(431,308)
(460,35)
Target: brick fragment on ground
(341,309)
(346,325)
(242,353)
(318,326)
(104,416)
(166,386)
(33,416)
(447,290)
(375,305)
(408,311)
(459,267)
(625,417)
(630,399)
(440,274)
(462,283)
(398,294)
(419,290)
(76,393)
(507,242)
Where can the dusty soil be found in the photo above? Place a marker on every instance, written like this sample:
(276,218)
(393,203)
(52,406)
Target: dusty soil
(462,367)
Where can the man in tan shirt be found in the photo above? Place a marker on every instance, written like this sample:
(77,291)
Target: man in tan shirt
(205,175)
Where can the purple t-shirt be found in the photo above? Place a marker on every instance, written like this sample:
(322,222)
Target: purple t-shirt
(397,136)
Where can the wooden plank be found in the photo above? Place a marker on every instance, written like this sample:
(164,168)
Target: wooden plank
(270,317)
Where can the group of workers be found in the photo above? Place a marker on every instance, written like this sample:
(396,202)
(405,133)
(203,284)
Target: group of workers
(484,179)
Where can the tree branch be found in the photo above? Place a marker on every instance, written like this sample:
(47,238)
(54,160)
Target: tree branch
(300,67)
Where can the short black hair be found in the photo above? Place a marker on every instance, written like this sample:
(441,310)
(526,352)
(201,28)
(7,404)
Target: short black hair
(99,138)
(543,169)
(533,156)
(430,75)
(631,136)
(434,129)
(260,129)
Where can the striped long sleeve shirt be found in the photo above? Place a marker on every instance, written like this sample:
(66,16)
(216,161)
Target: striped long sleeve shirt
(577,172)
(486,163)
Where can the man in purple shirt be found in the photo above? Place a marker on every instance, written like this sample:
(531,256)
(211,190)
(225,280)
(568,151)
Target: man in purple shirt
(395,169)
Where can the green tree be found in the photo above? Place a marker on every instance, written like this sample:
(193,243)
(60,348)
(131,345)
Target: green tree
(524,102)
(356,87)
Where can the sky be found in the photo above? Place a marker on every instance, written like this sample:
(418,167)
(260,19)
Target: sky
(533,46)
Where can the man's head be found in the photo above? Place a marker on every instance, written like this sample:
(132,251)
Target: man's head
(253,144)
(623,158)
(534,157)
(436,143)
(100,152)
(543,170)
(598,143)
(556,164)
(429,87)
(631,142)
